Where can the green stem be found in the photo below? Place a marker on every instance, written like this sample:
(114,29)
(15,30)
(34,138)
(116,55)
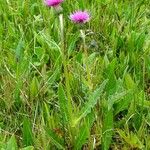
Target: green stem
(86,59)
(66,72)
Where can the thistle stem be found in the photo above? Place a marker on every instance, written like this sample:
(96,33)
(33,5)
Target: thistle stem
(66,72)
(82,32)
(62,33)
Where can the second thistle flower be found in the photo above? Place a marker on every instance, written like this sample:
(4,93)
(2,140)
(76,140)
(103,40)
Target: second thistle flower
(53,3)
(80,17)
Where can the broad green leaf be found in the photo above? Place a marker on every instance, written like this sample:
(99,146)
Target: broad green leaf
(107,129)
(82,137)
(79,57)
(72,43)
(12,144)
(123,104)
(57,141)
(129,82)
(27,133)
(34,87)
(114,98)
(91,58)
(110,74)
(17,92)
(63,103)
(19,49)
(39,52)
(84,131)
(54,76)
(92,100)
(46,113)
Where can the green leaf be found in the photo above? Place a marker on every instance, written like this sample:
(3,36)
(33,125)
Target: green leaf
(79,57)
(84,131)
(12,144)
(131,139)
(91,58)
(92,100)
(34,87)
(57,141)
(107,129)
(27,133)
(129,82)
(54,76)
(17,92)
(114,98)
(28,148)
(123,104)
(39,52)
(72,43)
(19,49)
(63,103)
(110,74)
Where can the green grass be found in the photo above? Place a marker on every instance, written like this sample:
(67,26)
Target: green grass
(106,106)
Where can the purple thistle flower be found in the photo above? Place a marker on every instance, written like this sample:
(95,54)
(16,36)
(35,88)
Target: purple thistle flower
(53,3)
(80,17)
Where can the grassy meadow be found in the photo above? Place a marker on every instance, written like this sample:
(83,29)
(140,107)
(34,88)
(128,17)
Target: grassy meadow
(75,95)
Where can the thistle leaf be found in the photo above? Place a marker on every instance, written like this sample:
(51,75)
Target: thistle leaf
(92,100)
(107,129)
(84,131)
(63,103)
(57,141)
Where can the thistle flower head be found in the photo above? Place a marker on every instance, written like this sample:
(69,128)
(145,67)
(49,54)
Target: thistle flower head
(80,17)
(53,3)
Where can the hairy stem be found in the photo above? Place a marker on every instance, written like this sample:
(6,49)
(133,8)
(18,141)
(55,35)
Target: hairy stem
(66,71)
(82,32)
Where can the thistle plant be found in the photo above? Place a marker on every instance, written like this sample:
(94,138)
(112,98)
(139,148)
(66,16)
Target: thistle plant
(74,100)
(80,18)
(67,111)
